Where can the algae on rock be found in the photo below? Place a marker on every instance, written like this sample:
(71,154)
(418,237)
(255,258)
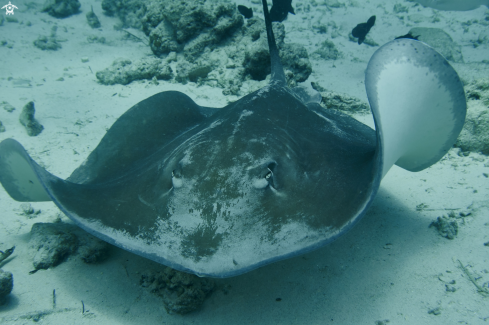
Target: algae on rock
(54,242)
(6,285)
(48,42)
(32,126)
(475,133)
(124,71)
(209,42)
(188,27)
(182,292)
(328,51)
(61,8)
(130,12)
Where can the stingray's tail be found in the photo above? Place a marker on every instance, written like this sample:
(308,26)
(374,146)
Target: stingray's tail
(278,74)
(418,103)
(21,177)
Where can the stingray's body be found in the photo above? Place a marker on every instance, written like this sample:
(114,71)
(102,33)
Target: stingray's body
(219,192)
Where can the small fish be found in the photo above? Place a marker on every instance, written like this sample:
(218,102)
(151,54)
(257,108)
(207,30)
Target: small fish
(280,9)
(7,253)
(245,11)
(361,30)
(408,35)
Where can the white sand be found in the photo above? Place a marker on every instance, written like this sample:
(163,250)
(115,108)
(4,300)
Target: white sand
(391,266)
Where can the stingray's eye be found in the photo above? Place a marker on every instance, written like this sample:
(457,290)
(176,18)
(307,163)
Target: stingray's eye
(264,178)
(269,177)
(176,179)
(271,166)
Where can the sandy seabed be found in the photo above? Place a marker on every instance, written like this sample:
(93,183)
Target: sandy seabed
(391,268)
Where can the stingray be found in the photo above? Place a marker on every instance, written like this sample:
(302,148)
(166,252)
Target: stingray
(221,191)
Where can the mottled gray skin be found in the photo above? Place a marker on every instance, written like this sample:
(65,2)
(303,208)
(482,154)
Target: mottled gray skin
(267,171)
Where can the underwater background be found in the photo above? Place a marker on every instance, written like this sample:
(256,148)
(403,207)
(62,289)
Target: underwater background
(419,256)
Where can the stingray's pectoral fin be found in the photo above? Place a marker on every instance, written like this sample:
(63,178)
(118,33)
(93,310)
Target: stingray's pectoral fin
(418,103)
(21,177)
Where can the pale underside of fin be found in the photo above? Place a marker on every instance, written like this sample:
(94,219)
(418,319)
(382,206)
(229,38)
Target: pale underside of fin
(18,176)
(418,103)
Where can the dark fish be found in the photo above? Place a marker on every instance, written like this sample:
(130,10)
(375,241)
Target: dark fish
(245,11)
(280,9)
(408,35)
(362,29)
